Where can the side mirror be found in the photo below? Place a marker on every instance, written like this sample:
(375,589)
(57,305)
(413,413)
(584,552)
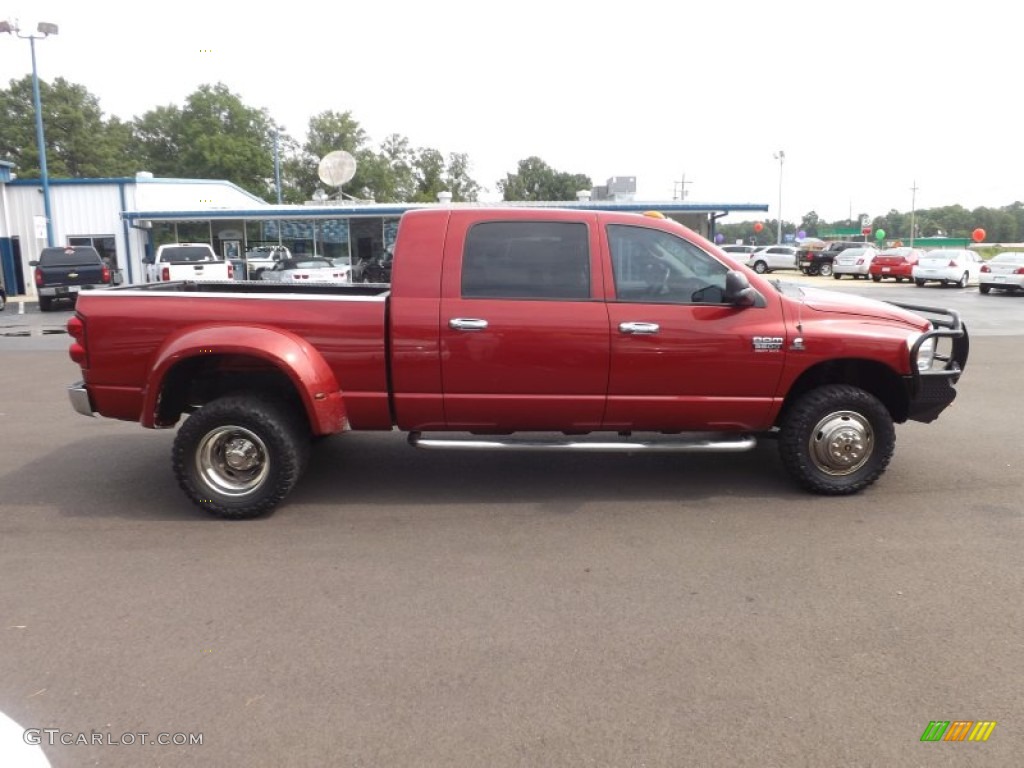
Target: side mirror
(738,291)
(34,263)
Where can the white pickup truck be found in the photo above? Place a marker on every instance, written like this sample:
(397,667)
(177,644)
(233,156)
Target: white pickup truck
(186,261)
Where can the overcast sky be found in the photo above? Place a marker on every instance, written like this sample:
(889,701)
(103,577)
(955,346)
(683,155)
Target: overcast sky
(864,98)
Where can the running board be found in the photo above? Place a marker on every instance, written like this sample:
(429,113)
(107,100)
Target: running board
(662,445)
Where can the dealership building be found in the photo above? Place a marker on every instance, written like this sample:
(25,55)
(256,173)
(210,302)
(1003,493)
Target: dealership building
(125,219)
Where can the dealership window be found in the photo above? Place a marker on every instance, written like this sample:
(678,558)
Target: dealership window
(526,260)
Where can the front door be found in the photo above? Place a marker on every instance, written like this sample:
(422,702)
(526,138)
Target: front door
(681,358)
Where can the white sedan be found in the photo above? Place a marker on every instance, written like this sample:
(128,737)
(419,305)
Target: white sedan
(854,261)
(949,266)
(1003,272)
(309,270)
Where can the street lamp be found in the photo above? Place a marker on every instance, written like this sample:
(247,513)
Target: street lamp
(45,29)
(781,157)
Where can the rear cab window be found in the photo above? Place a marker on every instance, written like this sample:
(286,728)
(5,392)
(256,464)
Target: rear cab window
(50,257)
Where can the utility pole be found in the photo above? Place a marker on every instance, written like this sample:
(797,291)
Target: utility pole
(681,186)
(781,157)
(913,207)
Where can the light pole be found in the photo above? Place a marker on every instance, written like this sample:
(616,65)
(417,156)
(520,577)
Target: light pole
(45,29)
(781,157)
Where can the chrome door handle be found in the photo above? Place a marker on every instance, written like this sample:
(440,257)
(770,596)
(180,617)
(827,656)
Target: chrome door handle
(639,328)
(467,324)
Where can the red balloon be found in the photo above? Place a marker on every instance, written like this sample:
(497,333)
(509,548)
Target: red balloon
(978,235)
(758,226)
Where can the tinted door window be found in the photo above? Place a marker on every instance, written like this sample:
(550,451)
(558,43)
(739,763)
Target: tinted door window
(526,260)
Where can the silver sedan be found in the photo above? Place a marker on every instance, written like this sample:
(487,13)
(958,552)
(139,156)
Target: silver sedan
(1003,272)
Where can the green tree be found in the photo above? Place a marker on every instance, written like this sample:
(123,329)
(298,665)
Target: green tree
(213,136)
(536,180)
(79,141)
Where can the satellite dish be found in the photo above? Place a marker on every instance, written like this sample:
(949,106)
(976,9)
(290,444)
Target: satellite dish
(336,168)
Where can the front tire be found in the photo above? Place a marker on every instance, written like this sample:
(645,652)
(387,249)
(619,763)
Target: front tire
(760,267)
(240,455)
(836,440)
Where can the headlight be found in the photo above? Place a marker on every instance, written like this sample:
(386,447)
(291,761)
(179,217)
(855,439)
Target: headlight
(925,353)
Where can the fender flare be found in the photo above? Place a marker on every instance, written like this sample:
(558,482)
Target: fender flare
(292,355)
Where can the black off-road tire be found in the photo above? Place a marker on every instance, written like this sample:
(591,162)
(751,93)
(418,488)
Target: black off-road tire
(215,442)
(836,440)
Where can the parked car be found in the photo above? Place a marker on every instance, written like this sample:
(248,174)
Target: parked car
(1003,272)
(62,271)
(949,266)
(812,261)
(855,262)
(376,270)
(308,270)
(772,257)
(897,263)
(261,257)
(186,261)
(741,252)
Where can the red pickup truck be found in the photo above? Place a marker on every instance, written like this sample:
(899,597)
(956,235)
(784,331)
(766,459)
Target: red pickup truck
(503,322)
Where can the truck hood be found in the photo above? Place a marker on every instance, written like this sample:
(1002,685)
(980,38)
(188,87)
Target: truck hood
(824,300)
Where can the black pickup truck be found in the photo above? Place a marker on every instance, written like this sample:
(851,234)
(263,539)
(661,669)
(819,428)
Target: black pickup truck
(819,262)
(61,272)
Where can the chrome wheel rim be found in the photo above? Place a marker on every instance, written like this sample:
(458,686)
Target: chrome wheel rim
(232,460)
(841,443)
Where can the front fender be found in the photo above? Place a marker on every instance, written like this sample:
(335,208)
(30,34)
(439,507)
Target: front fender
(295,357)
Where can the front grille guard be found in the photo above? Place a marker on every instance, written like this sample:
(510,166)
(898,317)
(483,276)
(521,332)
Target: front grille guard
(946,324)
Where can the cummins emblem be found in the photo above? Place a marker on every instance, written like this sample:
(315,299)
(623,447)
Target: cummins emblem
(767,343)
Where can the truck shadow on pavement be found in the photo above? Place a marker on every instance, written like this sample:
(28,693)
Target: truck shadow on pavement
(129,476)
(369,469)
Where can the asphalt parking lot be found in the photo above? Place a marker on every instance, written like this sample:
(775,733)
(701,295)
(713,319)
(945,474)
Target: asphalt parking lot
(407,608)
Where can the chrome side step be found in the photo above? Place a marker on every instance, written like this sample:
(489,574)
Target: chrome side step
(677,444)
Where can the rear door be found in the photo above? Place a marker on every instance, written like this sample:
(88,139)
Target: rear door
(681,358)
(523,326)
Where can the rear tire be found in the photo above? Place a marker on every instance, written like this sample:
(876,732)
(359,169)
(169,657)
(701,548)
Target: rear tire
(760,267)
(919,283)
(964,280)
(836,276)
(984,288)
(825,270)
(836,440)
(45,303)
(240,455)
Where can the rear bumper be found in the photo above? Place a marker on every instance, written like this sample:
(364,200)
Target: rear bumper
(80,401)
